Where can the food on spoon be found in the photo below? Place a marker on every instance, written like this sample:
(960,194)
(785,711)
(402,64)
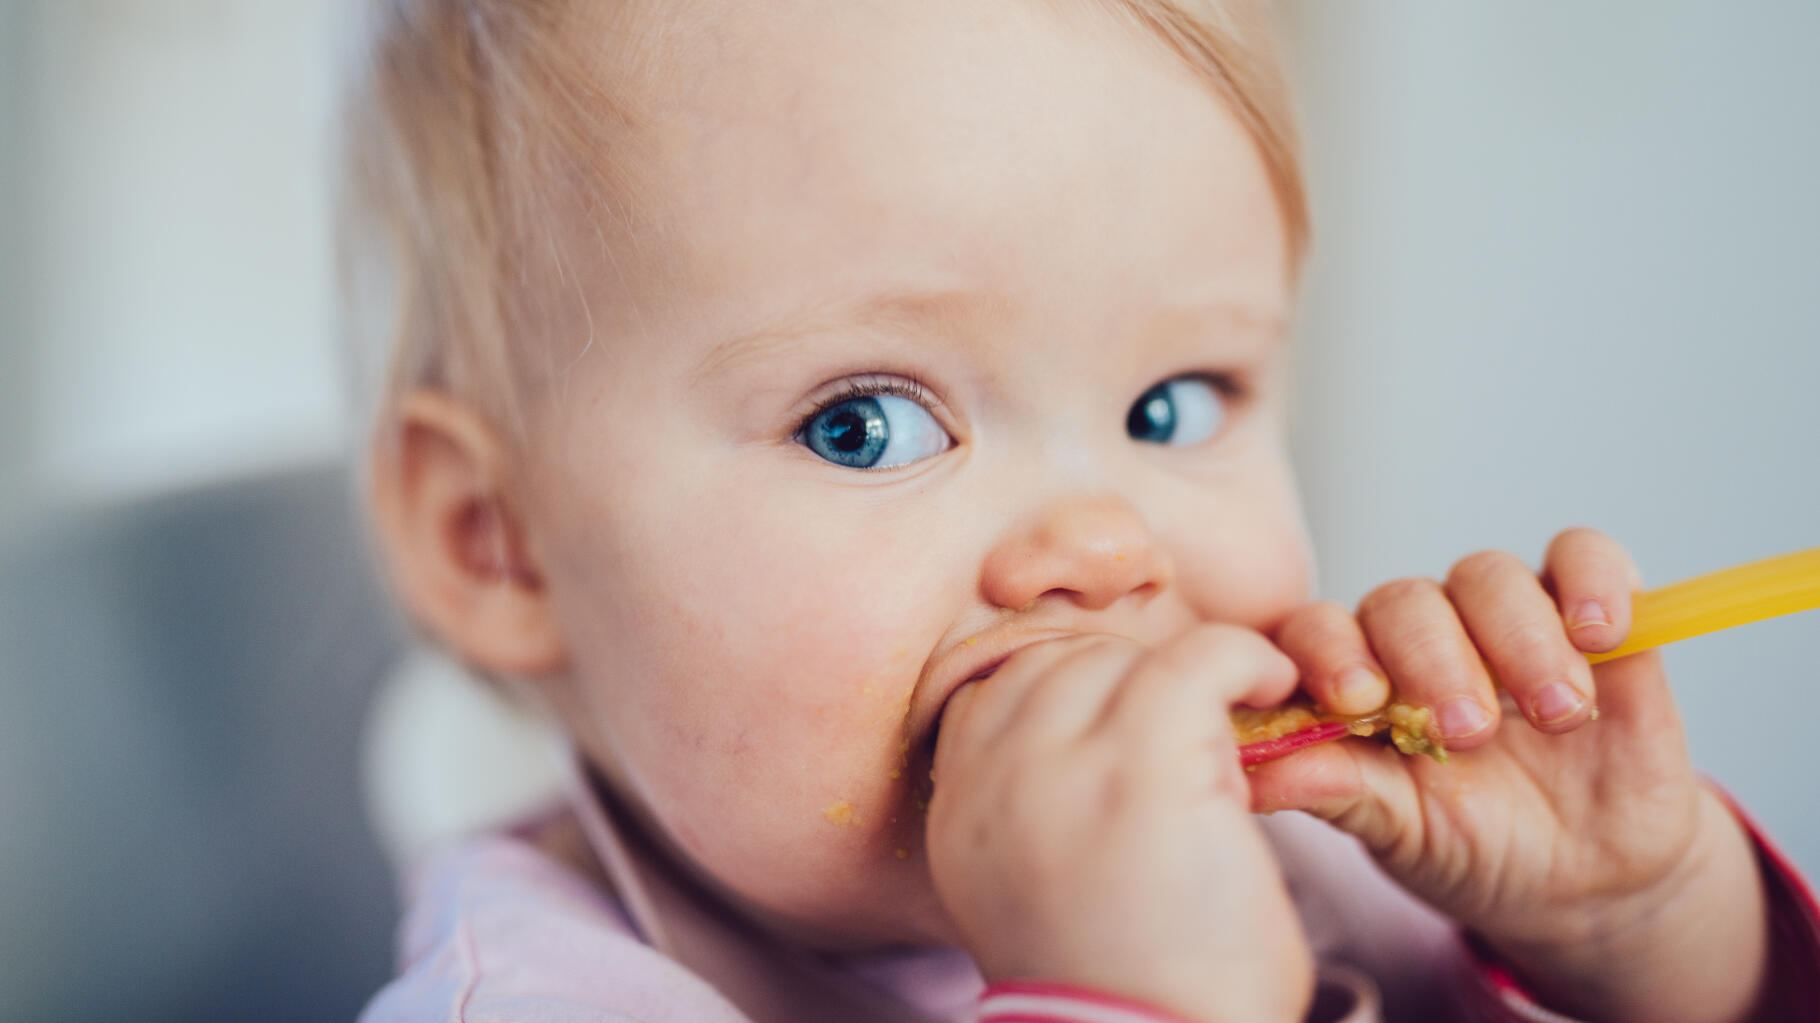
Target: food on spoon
(1413,731)
(1251,725)
(1692,607)
(1269,733)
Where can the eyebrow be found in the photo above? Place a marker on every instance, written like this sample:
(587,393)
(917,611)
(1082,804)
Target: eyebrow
(958,313)
(953,313)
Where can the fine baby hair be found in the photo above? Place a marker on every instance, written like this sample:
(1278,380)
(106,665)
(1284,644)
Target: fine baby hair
(491,168)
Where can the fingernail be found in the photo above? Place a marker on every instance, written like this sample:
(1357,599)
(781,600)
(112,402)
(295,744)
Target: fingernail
(1590,612)
(1557,702)
(1358,691)
(1463,717)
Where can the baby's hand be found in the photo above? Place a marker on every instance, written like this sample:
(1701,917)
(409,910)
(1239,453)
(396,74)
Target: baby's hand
(1090,826)
(1578,842)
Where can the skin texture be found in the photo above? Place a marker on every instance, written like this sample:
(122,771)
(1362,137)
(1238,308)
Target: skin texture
(755,634)
(1099,769)
(1039,216)
(1584,850)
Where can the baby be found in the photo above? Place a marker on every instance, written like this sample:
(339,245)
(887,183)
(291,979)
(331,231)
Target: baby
(860,425)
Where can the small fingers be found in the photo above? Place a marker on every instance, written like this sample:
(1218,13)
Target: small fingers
(1361,788)
(1518,631)
(958,729)
(1072,690)
(1172,712)
(1421,642)
(1592,578)
(1334,659)
(1064,681)
(1183,690)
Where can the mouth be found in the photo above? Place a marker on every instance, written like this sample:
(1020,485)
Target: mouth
(973,660)
(941,710)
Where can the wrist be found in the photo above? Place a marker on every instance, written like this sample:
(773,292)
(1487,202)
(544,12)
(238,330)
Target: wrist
(1691,947)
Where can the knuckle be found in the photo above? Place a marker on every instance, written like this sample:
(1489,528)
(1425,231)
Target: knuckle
(1181,666)
(1020,784)
(1430,654)
(1579,546)
(1212,641)
(1528,648)
(1397,593)
(1318,627)
(1485,567)
(1023,793)
(1076,657)
(1126,786)
(1586,560)
(1581,536)
(1329,613)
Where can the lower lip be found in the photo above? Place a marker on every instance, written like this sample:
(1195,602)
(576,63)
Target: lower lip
(941,712)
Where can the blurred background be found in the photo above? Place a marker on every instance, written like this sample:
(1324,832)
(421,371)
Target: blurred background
(1563,274)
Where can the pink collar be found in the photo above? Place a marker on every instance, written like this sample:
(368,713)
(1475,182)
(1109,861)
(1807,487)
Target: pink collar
(767,978)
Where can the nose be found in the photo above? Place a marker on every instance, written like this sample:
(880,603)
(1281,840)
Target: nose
(1093,550)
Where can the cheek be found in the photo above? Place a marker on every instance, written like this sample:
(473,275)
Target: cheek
(756,671)
(1246,558)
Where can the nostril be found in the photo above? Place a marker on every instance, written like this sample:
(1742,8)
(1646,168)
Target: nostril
(1093,551)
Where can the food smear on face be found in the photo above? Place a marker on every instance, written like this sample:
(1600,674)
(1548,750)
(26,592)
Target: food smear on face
(841,813)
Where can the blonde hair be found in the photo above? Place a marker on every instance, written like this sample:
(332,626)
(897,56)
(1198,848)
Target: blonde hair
(476,132)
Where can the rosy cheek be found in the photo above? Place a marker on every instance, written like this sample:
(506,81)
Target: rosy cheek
(1251,574)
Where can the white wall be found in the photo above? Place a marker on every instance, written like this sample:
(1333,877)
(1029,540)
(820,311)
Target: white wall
(13,373)
(1565,274)
(175,315)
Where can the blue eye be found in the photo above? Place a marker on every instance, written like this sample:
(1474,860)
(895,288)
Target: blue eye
(877,431)
(1180,410)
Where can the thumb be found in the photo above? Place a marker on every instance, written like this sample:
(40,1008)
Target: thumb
(1359,787)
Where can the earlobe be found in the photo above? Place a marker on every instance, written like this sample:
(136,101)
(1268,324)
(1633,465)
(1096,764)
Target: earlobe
(456,539)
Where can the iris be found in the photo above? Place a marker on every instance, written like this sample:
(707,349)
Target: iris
(853,433)
(1180,410)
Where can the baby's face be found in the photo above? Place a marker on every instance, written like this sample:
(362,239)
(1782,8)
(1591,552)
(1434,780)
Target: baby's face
(952,327)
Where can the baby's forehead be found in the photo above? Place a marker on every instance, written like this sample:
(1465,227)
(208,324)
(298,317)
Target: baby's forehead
(862,109)
(685,69)
(782,165)
(671,48)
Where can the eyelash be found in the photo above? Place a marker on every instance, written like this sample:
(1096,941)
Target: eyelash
(908,388)
(1225,383)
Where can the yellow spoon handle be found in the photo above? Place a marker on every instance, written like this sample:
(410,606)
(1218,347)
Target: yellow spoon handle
(1720,600)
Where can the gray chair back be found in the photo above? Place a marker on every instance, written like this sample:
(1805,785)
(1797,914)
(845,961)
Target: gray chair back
(182,687)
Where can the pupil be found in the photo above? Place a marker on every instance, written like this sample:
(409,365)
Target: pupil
(1153,417)
(846,430)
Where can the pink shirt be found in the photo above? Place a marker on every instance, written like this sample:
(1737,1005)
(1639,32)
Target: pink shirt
(497,931)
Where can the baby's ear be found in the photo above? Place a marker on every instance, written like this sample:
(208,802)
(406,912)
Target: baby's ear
(455,539)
